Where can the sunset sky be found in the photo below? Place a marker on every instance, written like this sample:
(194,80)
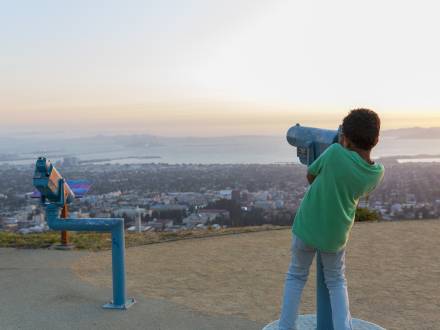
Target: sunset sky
(216,67)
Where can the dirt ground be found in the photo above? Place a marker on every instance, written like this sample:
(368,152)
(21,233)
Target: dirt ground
(393,272)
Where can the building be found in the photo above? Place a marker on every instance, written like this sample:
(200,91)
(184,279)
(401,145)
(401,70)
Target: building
(225,194)
(236,195)
(160,224)
(131,212)
(204,216)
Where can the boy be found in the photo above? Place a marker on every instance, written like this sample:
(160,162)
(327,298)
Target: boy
(338,178)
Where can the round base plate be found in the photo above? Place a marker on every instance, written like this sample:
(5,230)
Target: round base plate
(130,302)
(308,322)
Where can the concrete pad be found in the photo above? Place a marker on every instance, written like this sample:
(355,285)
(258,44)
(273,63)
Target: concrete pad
(39,291)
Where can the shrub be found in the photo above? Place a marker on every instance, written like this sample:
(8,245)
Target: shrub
(364,214)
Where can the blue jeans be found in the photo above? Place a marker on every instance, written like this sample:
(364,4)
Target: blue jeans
(296,277)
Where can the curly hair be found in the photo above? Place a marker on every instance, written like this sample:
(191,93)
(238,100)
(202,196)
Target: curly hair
(362,126)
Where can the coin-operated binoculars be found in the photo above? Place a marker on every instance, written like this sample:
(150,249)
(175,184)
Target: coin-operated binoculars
(48,180)
(55,194)
(50,184)
(310,143)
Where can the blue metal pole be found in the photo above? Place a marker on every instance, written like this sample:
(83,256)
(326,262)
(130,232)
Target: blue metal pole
(116,227)
(324,319)
(118,265)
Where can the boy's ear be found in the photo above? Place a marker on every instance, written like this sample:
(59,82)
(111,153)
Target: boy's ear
(344,141)
(340,138)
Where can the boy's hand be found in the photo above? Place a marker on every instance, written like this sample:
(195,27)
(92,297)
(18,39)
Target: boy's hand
(311,178)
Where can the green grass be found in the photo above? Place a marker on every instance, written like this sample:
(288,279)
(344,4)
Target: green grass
(102,241)
(32,241)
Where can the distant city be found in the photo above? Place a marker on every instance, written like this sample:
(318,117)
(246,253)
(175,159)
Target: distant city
(164,197)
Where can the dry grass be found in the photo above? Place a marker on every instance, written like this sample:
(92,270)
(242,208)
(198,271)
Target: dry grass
(96,241)
(393,271)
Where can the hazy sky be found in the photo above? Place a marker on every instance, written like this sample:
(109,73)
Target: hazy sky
(216,67)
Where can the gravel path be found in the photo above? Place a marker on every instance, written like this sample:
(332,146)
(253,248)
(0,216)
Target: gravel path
(393,271)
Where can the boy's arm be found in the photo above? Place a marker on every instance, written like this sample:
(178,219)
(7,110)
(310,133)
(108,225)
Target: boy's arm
(379,181)
(315,168)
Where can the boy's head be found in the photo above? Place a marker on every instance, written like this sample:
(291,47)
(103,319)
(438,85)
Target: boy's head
(361,127)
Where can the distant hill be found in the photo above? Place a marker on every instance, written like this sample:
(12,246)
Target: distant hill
(135,148)
(413,133)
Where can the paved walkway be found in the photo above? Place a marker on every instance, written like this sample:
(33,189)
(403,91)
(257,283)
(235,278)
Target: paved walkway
(39,291)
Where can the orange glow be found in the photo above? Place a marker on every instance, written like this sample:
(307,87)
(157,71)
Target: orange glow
(201,119)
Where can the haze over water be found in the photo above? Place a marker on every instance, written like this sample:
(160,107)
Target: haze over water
(223,150)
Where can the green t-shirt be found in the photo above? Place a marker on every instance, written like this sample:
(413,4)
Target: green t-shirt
(327,212)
